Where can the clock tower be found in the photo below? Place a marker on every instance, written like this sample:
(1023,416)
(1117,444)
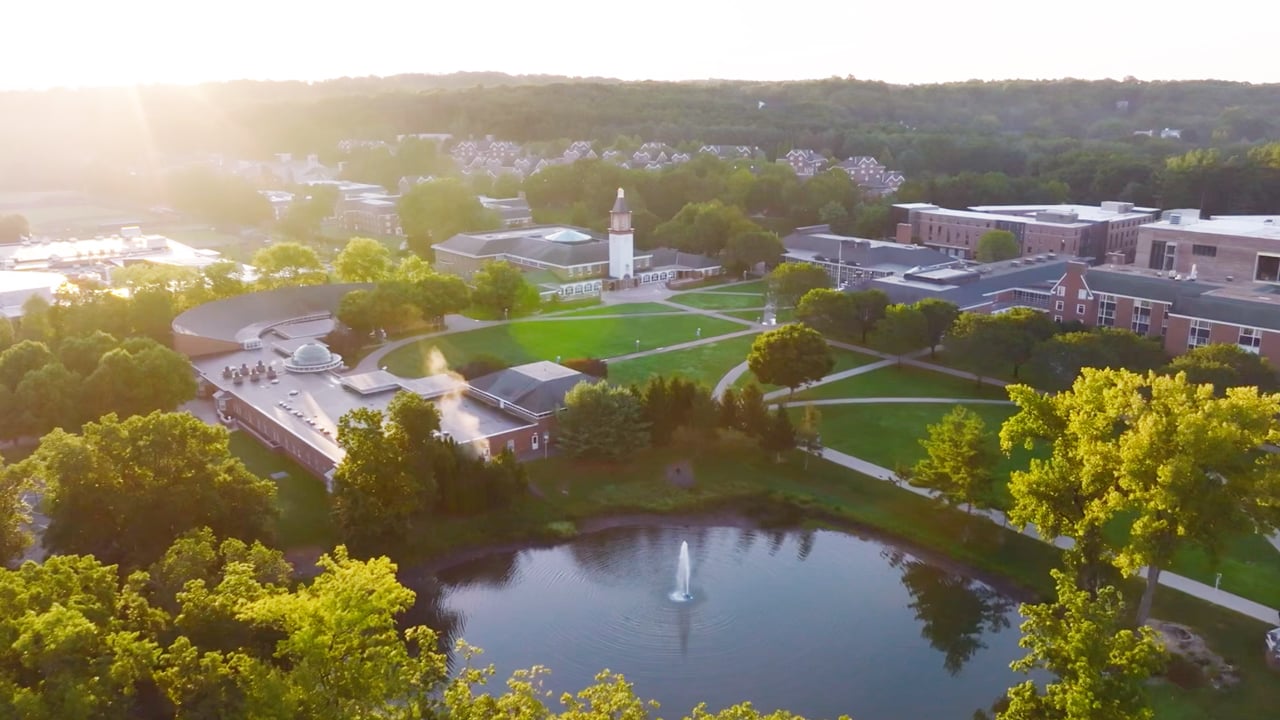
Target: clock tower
(622,251)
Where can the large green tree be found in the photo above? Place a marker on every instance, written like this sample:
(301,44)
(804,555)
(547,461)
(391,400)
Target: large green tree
(105,489)
(790,356)
(939,315)
(960,459)
(902,330)
(869,307)
(997,245)
(707,228)
(363,260)
(601,421)
(828,311)
(436,210)
(376,496)
(1101,668)
(746,250)
(15,512)
(791,280)
(139,377)
(1055,363)
(283,264)
(500,288)
(1225,366)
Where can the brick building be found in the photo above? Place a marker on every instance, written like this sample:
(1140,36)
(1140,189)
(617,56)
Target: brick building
(1238,248)
(1066,230)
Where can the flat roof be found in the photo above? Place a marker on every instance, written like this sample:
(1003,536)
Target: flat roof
(1085,212)
(1257,226)
(19,280)
(997,217)
(322,399)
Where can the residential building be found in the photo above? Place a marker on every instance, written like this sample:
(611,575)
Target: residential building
(1067,230)
(372,214)
(280,201)
(514,212)
(733,152)
(573,261)
(259,358)
(871,176)
(804,162)
(850,260)
(1228,249)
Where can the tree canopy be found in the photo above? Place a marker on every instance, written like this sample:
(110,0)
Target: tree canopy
(790,356)
(283,264)
(997,245)
(363,260)
(790,281)
(436,210)
(601,421)
(960,459)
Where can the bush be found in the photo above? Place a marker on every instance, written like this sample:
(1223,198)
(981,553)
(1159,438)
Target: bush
(482,365)
(562,529)
(594,367)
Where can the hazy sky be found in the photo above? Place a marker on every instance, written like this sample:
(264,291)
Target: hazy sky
(110,42)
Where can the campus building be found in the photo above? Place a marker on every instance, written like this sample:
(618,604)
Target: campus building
(261,359)
(849,260)
(573,262)
(1227,249)
(1056,230)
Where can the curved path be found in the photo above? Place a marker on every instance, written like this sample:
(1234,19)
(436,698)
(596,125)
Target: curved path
(897,400)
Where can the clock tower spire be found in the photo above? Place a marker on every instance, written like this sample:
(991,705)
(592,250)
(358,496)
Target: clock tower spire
(621,240)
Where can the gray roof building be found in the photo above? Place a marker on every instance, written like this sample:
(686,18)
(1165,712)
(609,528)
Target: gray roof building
(537,388)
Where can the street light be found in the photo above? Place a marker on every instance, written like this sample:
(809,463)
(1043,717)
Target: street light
(506,313)
(546,442)
(637,344)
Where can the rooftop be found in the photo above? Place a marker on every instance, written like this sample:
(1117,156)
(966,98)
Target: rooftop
(1251,304)
(43,254)
(1253,226)
(983,281)
(246,317)
(1088,213)
(873,254)
(538,387)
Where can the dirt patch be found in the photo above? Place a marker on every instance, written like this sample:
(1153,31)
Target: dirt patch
(1192,664)
(680,474)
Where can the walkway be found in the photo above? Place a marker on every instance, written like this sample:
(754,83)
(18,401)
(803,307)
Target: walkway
(897,400)
(834,377)
(681,346)
(1194,588)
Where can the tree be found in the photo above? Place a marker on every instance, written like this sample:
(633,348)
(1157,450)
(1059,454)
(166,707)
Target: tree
(997,245)
(790,356)
(1055,363)
(440,294)
(939,315)
(139,377)
(753,415)
(436,210)
(1225,366)
(869,307)
(500,288)
(223,279)
(729,410)
(375,498)
(105,489)
(35,324)
(1100,670)
(705,228)
(1070,493)
(363,260)
(27,356)
(50,396)
(960,459)
(982,342)
(791,280)
(7,334)
(779,434)
(15,513)
(745,251)
(13,228)
(828,311)
(600,421)
(284,264)
(1192,472)
(809,434)
(903,329)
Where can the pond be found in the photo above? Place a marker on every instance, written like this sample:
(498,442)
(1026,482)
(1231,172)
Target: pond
(819,623)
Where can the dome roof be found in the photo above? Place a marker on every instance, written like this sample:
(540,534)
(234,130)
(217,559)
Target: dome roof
(311,355)
(566,235)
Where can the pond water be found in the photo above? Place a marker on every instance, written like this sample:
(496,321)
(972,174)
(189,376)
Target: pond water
(818,623)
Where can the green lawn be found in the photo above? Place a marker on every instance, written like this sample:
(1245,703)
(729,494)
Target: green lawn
(624,309)
(844,360)
(303,501)
(705,364)
(783,316)
(903,381)
(529,341)
(52,218)
(889,434)
(755,286)
(719,301)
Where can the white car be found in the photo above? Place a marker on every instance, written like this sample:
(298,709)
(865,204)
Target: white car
(1273,641)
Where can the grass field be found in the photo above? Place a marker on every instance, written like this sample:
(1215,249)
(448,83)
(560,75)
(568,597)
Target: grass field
(844,360)
(755,286)
(303,501)
(624,309)
(903,381)
(718,301)
(53,218)
(524,342)
(705,364)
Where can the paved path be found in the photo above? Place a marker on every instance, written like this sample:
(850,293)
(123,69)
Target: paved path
(833,377)
(896,400)
(681,346)
(729,379)
(1194,588)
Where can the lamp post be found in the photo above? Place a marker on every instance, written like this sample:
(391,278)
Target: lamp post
(637,344)
(506,313)
(546,443)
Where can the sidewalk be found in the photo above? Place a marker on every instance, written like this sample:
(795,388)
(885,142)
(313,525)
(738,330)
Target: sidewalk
(1194,588)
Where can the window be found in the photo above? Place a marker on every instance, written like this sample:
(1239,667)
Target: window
(1057,318)
(1107,310)
(1082,294)
(1141,317)
(1204,250)
(534,444)
(1058,306)
(511,445)
(1251,340)
(1198,336)
(1268,268)
(1080,309)
(1061,290)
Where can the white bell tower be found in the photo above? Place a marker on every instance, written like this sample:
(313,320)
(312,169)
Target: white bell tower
(622,251)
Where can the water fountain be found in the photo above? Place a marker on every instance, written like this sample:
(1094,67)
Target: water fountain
(681,593)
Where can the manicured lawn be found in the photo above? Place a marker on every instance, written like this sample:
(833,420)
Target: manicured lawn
(529,341)
(705,364)
(755,286)
(844,360)
(903,381)
(623,309)
(304,503)
(55,217)
(719,300)
(783,316)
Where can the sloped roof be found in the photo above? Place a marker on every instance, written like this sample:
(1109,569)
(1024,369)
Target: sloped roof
(668,257)
(532,243)
(537,387)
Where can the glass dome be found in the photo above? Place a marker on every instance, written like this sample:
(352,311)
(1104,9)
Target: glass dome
(313,357)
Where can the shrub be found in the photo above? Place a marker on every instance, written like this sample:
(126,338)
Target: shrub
(594,367)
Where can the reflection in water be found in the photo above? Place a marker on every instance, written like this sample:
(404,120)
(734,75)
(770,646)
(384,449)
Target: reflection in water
(956,612)
(431,609)
(817,622)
